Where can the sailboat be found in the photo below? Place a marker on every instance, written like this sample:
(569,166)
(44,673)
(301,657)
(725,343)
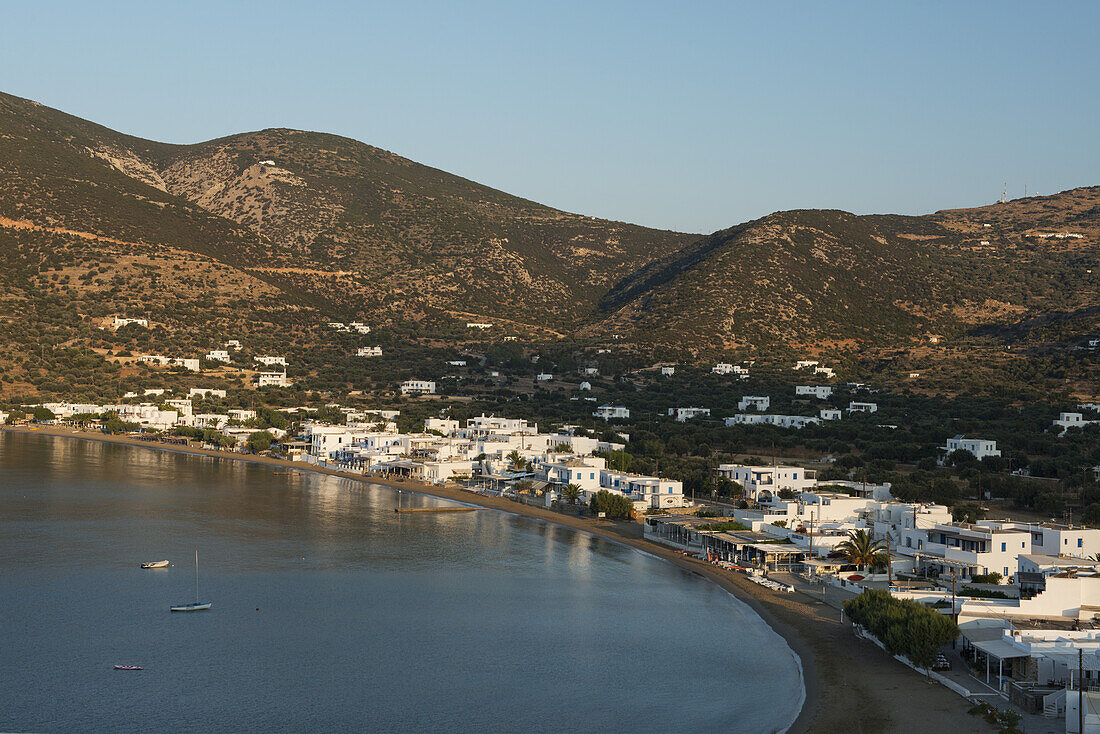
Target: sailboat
(195,606)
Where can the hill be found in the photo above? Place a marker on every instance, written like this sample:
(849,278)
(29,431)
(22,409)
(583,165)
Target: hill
(818,278)
(393,238)
(267,235)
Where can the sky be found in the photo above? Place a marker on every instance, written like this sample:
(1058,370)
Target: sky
(692,116)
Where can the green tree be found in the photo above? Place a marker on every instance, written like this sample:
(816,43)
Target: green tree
(260,441)
(572,493)
(42,413)
(614,506)
(861,548)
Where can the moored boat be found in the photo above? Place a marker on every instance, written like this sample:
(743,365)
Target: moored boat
(155,564)
(195,606)
(129,667)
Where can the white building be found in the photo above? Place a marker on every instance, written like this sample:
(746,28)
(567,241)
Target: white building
(120,322)
(478,325)
(723,368)
(585,386)
(157,359)
(417,386)
(857,407)
(234,344)
(457,362)
(205,392)
(272,379)
(827,371)
(831,414)
(686,414)
(590,371)
(611,412)
(368,352)
(758,481)
(1066,421)
(585,473)
(668,371)
(979,448)
(754,402)
(544,377)
(218,355)
(269,361)
(242,415)
(818,391)
(768,419)
(359,327)
(806,363)
(654,492)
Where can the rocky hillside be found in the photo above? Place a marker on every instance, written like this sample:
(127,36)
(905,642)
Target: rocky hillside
(813,278)
(282,228)
(350,227)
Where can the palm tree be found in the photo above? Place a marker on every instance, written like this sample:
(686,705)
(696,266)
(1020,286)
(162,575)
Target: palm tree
(516,460)
(861,548)
(572,493)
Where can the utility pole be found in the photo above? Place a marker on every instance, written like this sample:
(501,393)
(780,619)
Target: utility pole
(889,565)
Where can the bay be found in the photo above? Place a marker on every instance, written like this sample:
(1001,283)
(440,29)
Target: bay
(333,612)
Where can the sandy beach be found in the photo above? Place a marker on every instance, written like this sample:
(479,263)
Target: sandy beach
(851,685)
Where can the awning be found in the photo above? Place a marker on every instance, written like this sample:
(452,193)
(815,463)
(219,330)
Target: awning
(999,649)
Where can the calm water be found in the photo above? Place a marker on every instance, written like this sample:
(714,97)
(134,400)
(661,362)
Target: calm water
(331,612)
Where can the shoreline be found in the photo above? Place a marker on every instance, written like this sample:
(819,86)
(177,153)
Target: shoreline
(844,680)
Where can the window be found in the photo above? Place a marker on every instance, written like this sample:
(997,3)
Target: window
(1080,542)
(1003,548)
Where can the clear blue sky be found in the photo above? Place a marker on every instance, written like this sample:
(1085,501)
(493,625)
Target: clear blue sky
(690,116)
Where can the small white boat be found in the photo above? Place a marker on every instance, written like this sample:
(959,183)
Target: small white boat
(155,564)
(195,606)
(129,667)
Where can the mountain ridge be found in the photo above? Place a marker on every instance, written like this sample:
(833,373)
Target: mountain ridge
(349,229)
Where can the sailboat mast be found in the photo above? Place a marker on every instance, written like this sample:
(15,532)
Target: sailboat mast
(196,574)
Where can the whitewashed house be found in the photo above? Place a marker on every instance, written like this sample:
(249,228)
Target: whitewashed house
(831,414)
(754,402)
(218,355)
(858,407)
(457,362)
(272,379)
(120,322)
(978,447)
(478,325)
(686,414)
(668,371)
(585,386)
(764,482)
(1066,421)
(271,361)
(544,377)
(806,363)
(818,391)
(610,412)
(780,421)
(418,386)
(368,352)
(205,392)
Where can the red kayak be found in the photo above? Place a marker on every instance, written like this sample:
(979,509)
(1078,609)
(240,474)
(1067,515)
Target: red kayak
(129,667)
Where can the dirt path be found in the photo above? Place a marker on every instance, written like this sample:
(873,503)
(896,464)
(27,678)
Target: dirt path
(851,685)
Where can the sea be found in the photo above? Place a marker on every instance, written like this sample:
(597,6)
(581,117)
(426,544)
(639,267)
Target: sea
(333,613)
